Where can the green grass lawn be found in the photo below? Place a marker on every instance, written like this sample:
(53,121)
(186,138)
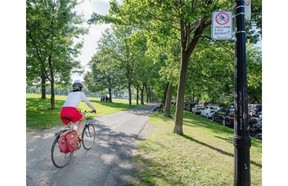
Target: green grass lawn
(40,116)
(203,156)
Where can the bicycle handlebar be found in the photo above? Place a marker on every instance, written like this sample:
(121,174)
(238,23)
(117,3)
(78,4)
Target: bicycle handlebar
(92,111)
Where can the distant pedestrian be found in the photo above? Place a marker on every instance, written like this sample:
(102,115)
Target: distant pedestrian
(159,107)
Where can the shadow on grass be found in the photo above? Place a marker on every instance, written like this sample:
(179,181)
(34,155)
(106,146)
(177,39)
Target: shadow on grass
(193,120)
(228,139)
(254,142)
(216,149)
(153,170)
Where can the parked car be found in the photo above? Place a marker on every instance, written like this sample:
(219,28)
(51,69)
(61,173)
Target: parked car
(260,115)
(224,116)
(196,109)
(255,127)
(186,105)
(254,110)
(208,111)
(189,105)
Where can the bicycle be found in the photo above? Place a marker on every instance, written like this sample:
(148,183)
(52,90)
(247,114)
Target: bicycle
(61,159)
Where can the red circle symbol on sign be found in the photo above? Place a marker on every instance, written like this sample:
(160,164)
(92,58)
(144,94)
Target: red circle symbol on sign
(222,18)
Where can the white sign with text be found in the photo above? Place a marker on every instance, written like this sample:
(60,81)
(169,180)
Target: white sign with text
(222,25)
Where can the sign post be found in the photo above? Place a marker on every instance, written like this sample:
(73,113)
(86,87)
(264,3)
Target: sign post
(241,138)
(222,30)
(247,9)
(222,25)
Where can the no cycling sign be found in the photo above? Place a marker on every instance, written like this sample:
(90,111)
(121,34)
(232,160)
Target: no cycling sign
(222,25)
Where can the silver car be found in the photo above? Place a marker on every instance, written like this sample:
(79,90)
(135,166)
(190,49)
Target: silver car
(208,111)
(197,109)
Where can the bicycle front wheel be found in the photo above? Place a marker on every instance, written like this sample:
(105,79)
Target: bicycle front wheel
(59,159)
(88,136)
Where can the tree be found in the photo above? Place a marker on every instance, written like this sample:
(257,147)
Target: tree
(115,48)
(52,27)
(211,76)
(103,74)
(254,73)
(165,54)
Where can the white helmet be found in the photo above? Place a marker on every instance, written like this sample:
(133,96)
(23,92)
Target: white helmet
(77,85)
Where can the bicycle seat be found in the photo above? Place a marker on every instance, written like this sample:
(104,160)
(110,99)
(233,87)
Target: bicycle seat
(67,118)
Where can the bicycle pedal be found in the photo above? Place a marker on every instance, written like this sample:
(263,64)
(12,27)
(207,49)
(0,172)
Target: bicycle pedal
(78,145)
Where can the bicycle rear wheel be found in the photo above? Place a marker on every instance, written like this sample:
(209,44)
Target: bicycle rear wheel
(88,136)
(59,159)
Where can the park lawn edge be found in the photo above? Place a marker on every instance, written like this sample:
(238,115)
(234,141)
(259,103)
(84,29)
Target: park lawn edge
(204,155)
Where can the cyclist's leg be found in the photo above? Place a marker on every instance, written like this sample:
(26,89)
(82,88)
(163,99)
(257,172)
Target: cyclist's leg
(81,124)
(78,119)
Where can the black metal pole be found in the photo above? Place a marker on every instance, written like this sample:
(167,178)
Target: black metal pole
(241,139)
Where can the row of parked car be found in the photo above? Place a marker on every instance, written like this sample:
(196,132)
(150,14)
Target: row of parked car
(225,116)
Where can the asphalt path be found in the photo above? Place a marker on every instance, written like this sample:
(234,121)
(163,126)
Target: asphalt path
(108,163)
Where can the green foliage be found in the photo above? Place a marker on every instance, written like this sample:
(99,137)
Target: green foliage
(211,78)
(254,73)
(256,12)
(122,60)
(103,74)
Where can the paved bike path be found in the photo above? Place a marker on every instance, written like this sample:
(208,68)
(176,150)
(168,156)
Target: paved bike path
(108,163)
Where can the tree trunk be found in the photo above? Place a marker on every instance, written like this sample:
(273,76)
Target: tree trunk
(130,96)
(142,95)
(137,95)
(193,97)
(168,101)
(187,47)
(178,128)
(52,100)
(110,94)
(148,98)
(256,100)
(52,95)
(165,93)
(147,94)
(43,86)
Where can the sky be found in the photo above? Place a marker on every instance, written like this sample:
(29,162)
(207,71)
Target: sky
(13,84)
(90,43)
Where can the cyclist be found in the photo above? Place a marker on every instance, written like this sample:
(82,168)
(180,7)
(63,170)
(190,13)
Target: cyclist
(69,109)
